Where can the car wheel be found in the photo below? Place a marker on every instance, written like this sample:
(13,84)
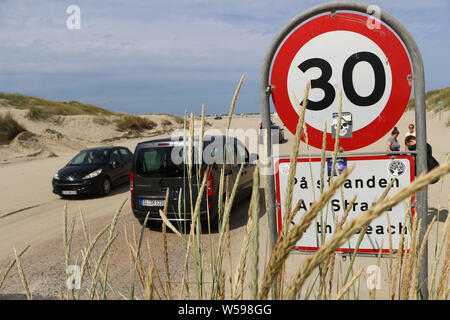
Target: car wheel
(106,186)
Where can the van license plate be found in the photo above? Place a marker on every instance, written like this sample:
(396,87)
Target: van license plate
(152,203)
(69,192)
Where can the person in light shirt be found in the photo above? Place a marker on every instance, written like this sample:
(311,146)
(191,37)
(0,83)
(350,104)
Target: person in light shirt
(411,132)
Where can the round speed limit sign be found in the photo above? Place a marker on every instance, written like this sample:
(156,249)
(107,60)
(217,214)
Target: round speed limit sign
(340,52)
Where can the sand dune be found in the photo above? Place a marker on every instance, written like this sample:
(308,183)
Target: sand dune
(60,135)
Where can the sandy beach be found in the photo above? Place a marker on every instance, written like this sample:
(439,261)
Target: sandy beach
(30,214)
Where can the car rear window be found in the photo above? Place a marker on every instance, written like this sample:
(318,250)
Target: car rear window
(157,162)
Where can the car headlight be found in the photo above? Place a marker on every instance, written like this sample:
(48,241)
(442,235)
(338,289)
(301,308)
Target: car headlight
(93,174)
(56,176)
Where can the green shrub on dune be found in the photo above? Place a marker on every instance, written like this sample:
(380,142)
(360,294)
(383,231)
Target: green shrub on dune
(135,123)
(37,114)
(9,127)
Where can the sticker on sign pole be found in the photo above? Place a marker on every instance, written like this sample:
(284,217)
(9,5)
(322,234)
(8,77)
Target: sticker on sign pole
(339,52)
(368,181)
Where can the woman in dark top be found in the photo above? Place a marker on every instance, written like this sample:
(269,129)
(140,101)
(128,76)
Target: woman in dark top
(393,144)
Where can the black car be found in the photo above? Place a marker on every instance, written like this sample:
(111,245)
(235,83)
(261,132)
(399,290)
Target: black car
(159,165)
(94,170)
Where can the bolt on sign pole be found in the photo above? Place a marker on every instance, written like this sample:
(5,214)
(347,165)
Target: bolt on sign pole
(418,78)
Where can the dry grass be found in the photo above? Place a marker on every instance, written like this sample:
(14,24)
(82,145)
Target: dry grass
(23,102)
(37,114)
(175,118)
(152,285)
(432,97)
(135,123)
(102,120)
(203,279)
(9,127)
(166,123)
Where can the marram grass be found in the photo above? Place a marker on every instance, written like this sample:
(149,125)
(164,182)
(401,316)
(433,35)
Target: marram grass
(206,277)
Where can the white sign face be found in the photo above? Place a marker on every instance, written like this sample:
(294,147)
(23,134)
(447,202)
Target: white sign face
(340,53)
(313,61)
(368,181)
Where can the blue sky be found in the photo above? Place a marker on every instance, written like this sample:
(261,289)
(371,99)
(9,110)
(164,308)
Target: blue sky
(171,55)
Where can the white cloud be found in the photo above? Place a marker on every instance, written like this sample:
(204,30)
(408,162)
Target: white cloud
(167,43)
(179,41)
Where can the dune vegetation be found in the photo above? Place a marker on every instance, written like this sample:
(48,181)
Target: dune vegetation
(247,279)
(432,97)
(135,123)
(9,127)
(40,107)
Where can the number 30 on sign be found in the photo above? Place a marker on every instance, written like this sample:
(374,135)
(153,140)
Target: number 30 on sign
(336,52)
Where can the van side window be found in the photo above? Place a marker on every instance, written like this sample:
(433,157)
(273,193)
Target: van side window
(231,154)
(242,154)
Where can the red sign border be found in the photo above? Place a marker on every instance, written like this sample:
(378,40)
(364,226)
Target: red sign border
(389,44)
(351,158)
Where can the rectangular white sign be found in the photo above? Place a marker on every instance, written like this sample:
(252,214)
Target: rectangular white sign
(369,179)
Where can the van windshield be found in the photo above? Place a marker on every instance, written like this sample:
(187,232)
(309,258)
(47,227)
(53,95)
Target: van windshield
(157,163)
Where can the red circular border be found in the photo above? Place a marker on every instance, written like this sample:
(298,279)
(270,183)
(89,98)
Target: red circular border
(388,43)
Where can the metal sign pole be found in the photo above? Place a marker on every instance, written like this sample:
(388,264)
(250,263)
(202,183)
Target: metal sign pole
(420,111)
